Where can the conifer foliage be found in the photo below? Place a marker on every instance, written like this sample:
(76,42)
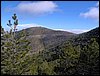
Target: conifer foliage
(14,51)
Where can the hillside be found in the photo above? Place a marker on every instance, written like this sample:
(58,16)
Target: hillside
(84,38)
(43,31)
(42,38)
(79,55)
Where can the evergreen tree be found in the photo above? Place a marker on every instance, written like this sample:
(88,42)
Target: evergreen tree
(15,51)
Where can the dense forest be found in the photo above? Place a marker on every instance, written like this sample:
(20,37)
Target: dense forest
(77,54)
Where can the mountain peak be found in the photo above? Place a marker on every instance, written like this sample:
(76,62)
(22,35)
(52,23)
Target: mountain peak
(38,30)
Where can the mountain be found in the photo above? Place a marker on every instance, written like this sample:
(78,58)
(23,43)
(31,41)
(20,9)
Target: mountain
(43,38)
(43,31)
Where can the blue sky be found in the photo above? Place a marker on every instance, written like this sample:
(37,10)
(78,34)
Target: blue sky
(73,16)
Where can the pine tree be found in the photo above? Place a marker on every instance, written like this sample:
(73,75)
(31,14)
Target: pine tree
(15,51)
(68,59)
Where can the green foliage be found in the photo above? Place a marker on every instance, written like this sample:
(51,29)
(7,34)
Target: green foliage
(14,52)
(68,59)
(89,59)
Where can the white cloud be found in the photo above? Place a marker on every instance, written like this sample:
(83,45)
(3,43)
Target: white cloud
(76,31)
(24,26)
(39,7)
(92,13)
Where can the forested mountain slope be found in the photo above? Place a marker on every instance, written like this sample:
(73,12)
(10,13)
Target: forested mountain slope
(42,38)
(77,56)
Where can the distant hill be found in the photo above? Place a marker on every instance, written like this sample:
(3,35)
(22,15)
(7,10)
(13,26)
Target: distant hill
(81,39)
(42,38)
(84,38)
(43,31)
(92,33)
